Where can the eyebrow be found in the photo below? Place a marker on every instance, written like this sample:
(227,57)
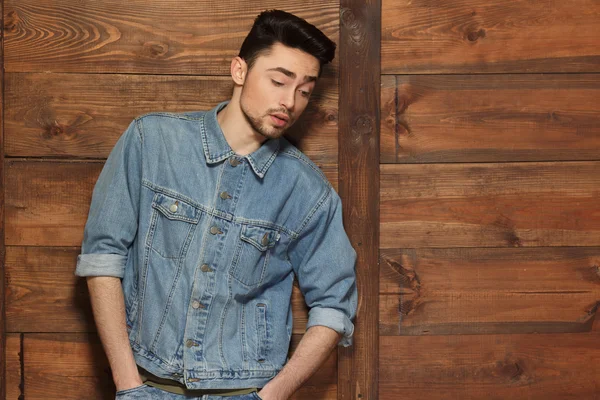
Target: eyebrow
(292,74)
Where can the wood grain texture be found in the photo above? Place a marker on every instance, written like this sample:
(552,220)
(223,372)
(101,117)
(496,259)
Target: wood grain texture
(490,205)
(494,367)
(489,290)
(44,295)
(47,201)
(3,340)
(424,36)
(359,80)
(475,118)
(66,366)
(83,115)
(157,37)
(73,366)
(13,387)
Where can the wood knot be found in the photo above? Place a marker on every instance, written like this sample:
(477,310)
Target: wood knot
(155,49)
(12,20)
(55,129)
(349,22)
(408,280)
(513,371)
(513,240)
(406,275)
(594,308)
(473,36)
(363,125)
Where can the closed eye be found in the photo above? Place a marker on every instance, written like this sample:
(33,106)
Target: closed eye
(276,83)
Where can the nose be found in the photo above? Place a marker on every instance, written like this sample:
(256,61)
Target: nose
(287,99)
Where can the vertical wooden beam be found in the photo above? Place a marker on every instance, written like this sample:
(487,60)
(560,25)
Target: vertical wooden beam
(2,249)
(359,98)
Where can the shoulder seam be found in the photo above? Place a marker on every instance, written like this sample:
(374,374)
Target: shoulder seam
(139,128)
(168,115)
(302,158)
(313,211)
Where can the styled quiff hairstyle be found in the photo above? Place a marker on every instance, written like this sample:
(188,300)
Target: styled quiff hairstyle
(276,26)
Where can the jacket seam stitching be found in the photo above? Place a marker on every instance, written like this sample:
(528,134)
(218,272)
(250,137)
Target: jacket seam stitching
(170,115)
(314,210)
(309,164)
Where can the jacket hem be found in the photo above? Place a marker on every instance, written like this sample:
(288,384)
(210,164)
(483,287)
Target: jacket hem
(213,379)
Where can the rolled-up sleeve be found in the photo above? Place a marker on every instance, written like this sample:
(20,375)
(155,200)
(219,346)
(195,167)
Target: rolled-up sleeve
(113,216)
(324,262)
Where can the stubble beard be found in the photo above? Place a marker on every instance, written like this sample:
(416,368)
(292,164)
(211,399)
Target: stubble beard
(258,124)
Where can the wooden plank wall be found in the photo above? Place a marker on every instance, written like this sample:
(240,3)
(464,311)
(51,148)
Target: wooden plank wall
(3,339)
(360,72)
(77,72)
(489,190)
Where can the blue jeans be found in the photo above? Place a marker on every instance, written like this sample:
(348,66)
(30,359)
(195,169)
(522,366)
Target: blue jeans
(146,392)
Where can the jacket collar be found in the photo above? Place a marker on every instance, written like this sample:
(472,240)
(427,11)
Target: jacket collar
(217,149)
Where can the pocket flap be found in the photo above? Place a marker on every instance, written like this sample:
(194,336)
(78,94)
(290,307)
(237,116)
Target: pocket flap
(175,209)
(259,237)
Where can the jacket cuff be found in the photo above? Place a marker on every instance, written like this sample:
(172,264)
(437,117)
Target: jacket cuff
(101,265)
(334,319)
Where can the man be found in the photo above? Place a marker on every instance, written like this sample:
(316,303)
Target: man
(207,217)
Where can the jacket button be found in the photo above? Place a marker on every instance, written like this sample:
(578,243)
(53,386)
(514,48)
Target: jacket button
(193,379)
(215,229)
(265,239)
(225,195)
(196,304)
(190,343)
(205,268)
(173,207)
(234,162)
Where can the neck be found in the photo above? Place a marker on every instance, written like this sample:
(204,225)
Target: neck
(240,135)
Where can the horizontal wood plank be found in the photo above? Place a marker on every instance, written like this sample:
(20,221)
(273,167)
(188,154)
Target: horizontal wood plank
(502,270)
(83,115)
(159,37)
(47,201)
(73,366)
(13,366)
(493,36)
(68,366)
(44,295)
(494,367)
(494,290)
(485,118)
(490,205)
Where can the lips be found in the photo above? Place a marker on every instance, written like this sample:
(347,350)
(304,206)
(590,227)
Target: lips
(279,119)
(281,116)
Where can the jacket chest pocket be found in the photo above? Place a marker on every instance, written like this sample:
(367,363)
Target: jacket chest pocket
(173,224)
(251,259)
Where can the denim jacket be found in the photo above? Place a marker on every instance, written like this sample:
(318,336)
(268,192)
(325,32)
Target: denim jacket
(208,242)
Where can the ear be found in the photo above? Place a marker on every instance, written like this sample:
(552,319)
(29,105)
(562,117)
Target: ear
(239,69)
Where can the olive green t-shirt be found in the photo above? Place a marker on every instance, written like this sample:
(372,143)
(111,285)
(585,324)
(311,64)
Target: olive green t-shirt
(171,386)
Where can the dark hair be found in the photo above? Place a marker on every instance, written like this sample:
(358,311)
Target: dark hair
(276,26)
